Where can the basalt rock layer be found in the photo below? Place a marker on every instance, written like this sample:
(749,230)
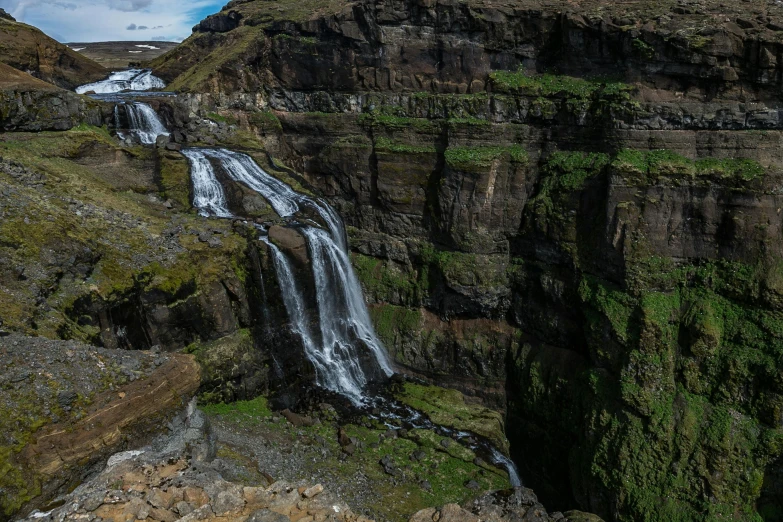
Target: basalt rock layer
(570,212)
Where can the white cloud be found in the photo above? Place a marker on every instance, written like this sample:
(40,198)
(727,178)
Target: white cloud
(106,20)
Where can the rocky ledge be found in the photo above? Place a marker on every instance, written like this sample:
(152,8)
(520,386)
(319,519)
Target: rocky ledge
(178,477)
(65,406)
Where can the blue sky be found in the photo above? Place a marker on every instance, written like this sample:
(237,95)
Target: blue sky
(105,20)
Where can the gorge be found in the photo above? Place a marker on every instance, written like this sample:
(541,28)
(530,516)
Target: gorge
(569,212)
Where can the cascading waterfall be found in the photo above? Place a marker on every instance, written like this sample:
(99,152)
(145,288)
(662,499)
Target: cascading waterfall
(144,122)
(342,314)
(128,80)
(208,195)
(117,122)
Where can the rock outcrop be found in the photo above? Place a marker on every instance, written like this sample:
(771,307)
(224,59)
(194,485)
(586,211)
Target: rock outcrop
(27,49)
(66,406)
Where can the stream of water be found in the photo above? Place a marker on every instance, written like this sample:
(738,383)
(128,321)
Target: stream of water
(127,80)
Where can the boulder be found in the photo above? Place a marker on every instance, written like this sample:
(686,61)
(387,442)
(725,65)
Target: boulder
(291,241)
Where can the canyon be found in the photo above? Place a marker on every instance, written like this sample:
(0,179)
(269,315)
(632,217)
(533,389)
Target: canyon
(569,213)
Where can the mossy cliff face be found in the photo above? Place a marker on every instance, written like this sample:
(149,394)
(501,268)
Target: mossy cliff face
(599,256)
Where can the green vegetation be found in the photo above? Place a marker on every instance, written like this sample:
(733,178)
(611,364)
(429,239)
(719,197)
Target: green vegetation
(393,323)
(448,408)
(220,362)
(219,118)
(383,281)
(563,174)
(386,145)
(650,165)
(265,121)
(393,498)
(468,158)
(175,179)
(466,269)
(551,85)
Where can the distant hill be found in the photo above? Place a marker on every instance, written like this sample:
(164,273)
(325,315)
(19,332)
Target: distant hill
(27,49)
(119,55)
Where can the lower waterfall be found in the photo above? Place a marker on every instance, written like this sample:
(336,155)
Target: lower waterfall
(332,342)
(144,123)
(344,325)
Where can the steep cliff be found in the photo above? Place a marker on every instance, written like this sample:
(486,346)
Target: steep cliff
(572,212)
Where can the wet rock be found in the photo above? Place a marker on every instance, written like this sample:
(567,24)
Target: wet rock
(291,241)
(296,419)
(162,140)
(418,456)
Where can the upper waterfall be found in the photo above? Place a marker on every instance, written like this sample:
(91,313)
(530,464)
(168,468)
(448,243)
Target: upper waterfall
(344,331)
(144,123)
(128,80)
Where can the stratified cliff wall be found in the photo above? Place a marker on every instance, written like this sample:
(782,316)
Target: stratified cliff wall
(571,211)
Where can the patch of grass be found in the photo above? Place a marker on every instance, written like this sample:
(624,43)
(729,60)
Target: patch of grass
(448,408)
(383,144)
(482,157)
(551,85)
(244,412)
(664,163)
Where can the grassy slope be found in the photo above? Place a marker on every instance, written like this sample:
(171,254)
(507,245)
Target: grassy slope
(28,49)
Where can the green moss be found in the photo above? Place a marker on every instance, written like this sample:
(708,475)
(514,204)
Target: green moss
(384,281)
(220,118)
(252,411)
(447,469)
(383,144)
(266,121)
(392,322)
(466,269)
(175,179)
(468,158)
(650,165)
(550,85)
(448,408)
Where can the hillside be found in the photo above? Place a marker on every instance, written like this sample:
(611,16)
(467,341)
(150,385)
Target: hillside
(28,49)
(119,55)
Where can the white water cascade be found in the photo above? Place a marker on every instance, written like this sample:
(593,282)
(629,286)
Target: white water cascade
(144,123)
(128,80)
(344,325)
(330,343)
(208,195)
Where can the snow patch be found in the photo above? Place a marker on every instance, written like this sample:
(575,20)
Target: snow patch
(147,47)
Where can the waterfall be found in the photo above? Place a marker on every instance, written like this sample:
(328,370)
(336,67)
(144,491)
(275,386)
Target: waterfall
(208,195)
(128,80)
(144,123)
(117,122)
(343,321)
(332,341)
(511,468)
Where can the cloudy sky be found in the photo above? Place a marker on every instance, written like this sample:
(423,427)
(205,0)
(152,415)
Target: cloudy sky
(107,20)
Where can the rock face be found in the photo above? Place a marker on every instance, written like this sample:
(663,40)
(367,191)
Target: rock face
(600,258)
(106,401)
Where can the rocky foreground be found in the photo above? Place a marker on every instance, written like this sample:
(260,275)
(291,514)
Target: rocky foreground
(178,477)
